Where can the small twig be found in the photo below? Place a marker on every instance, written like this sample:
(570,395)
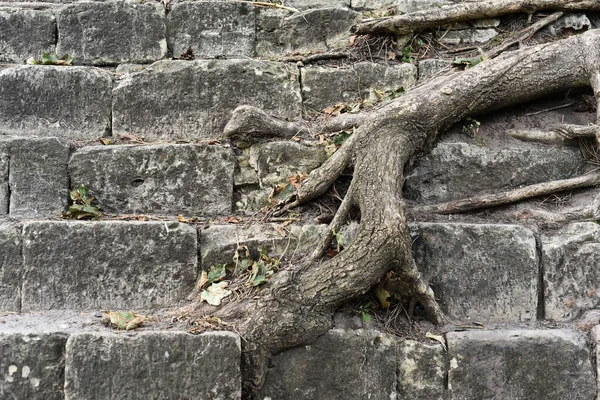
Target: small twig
(549,109)
(265,4)
(316,57)
(462,49)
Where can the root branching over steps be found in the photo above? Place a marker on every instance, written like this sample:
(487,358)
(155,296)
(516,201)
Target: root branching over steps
(296,306)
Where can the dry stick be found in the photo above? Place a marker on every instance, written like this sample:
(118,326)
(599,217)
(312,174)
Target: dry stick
(545,110)
(408,23)
(511,196)
(524,34)
(316,57)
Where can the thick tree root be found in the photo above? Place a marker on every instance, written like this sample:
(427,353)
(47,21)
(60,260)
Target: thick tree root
(511,196)
(431,18)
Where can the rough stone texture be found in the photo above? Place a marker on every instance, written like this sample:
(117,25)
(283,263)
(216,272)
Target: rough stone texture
(212,29)
(570,22)
(218,243)
(519,364)
(32,366)
(4,171)
(404,6)
(194,99)
(430,66)
(275,162)
(457,170)
(278,32)
(340,365)
(421,371)
(479,272)
(326,86)
(57,101)
(468,36)
(164,179)
(304,4)
(596,338)
(39,180)
(25,33)
(11,269)
(153,365)
(103,265)
(112,32)
(571,278)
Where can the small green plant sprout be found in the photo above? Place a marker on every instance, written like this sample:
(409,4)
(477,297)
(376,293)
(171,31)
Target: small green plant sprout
(471,126)
(364,310)
(82,206)
(51,59)
(340,243)
(470,62)
(407,54)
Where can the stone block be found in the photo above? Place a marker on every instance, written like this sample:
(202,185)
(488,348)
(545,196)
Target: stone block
(458,170)
(112,32)
(320,29)
(431,66)
(11,269)
(421,371)
(571,278)
(165,179)
(102,265)
(469,36)
(212,29)
(25,33)
(340,365)
(46,100)
(4,171)
(325,86)
(308,4)
(485,273)
(194,99)
(275,162)
(519,364)
(39,180)
(153,365)
(218,243)
(32,365)
(403,6)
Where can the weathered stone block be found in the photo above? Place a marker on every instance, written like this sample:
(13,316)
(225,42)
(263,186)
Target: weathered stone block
(326,86)
(153,365)
(194,99)
(305,4)
(571,278)
(278,32)
(11,269)
(422,371)
(112,32)
(340,365)
(519,364)
(4,170)
(457,170)
(39,180)
(469,36)
(32,365)
(430,66)
(218,243)
(57,101)
(167,179)
(104,265)
(25,33)
(479,272)
(275,162)
(404,6)
(212,29)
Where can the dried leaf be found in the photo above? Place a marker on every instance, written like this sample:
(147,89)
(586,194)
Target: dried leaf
(232,220)
(438,338)
(383,296)
(215,293)
(281,230)
(334,110)
(203,279)
(124,320)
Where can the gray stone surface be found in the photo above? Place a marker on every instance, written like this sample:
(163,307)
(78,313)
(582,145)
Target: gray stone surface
(430,66)
(112,264)
(194,99)
(421,371)
(32,366)
(326,86)
(571,277)
(519,364)
(218,243)
(468,36)
(404,6)
(4,170)
(57,101)
(278,32)
(153,365)
(112,32)
(25,33)
(212,29)
(275,162)
(165,179)
(340,365)
(11,268)
(570,22)
(479,273)
(457,170)
(39,180)
(305,4)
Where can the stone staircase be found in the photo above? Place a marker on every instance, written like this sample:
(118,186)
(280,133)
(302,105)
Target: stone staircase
(143,132)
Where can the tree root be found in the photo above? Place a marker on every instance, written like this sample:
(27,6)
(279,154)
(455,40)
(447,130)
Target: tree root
(511,196)
(432,18)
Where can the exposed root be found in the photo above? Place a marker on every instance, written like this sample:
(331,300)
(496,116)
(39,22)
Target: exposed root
(511,196)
